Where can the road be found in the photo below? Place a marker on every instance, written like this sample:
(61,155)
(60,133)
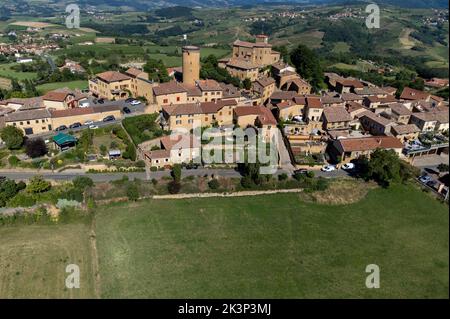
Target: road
(106,177)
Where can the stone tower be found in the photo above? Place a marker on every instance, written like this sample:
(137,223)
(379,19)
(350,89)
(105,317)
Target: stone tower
(191,64)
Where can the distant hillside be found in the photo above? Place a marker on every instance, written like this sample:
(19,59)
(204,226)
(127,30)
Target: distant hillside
(152,4)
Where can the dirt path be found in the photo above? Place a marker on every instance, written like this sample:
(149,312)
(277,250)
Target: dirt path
(95,267)
(235,194)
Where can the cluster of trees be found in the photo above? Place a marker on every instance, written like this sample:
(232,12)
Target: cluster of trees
(308,65)
(210,70)
(385,168)
(156,70)
(9,189)
(174,185)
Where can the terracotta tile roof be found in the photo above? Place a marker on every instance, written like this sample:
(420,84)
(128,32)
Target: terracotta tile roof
(71,112)
(336,114)
(183,109)
(213,107)
(229,90)
(353,106)
(376,118)
(350,82)
(171,142)
(169,88)
(242,64)
(299,100)
(400,109)
(331,100)
(265,81)
(26,103)
(389,90)
(351,97)
(412,94)
(285,104)
(209,85)
(262,113)
(157,154)
(27,115)
(440,116)
(405,129)
(246,44)
(133,72)
(387,99)
(112,76)
(192,90)
(370,143)
(370,91)
(57,96)
(283,95)
(314,102)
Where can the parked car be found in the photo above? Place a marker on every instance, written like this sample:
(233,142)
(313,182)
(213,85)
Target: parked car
(126,110)
(301,171)
(129,100)
(328,168)
(61,128)
(93,127)
(89,122)
(432,183)
(84,104)
(135,102)
(109,118)
(348,166)
(101,101)
(75,125)
(425,178)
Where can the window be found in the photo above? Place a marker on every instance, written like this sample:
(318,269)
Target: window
(165,101)
(37,121)
(156,161)
(206,119)
(178,99)
(190,121)
(21,123)
(43,121)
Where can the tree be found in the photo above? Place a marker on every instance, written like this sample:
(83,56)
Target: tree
(214,183)
(35,147)
(133,192)
(174,187)
(176,172)
(442,167)
(13,137)
(82,182)
(308,65)
(247,84)
(38,185)
(8,189)
(384,167)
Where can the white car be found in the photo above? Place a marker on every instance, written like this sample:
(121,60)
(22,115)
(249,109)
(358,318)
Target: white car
(135,102)
(348,166)
(328,168)
(84,104)
(93,127)
(88,122)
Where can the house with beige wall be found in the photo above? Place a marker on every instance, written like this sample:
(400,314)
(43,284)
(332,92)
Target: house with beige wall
(82,115)
(30,122)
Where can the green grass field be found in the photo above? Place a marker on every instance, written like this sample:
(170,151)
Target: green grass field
(33,260)
(7,72)
(276,246)
(44,88)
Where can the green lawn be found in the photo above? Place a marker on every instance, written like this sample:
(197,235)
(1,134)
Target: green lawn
(275,247)
(7,72)
(33,260)
(44,88)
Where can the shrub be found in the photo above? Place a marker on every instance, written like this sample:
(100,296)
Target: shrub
(154,181)
(140,164)
(214,184)
(282,177)
(13,137)
(13,160)
(174,187)
(38,185)
(22,199)
(153,169)
(73,194)
(176,172)
(133,192)
(310,174)
(81,182)
(35,147)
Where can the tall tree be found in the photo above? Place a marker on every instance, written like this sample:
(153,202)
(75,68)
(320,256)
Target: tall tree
(13,137)
(308,66)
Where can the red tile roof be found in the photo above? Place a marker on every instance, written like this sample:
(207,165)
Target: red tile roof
(370,143)
(112,76)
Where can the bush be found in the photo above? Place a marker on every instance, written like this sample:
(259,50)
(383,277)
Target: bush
(176,172)
(154,181)
(174,187)
(22,200)
(13,160)
(13,137)
(140,164)
(282,177)
(133,192)
(153,169)
(82,182)
(38,185)
(73,194)
(310,174)
(214,184)
(35,147)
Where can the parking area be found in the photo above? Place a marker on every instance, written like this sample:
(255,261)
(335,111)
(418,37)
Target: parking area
(431,160)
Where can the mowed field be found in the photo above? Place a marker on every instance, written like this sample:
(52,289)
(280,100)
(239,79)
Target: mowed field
(44,88)
(275,247)
(33,260)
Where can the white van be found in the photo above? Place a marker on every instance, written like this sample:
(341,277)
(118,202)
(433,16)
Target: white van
(84,104)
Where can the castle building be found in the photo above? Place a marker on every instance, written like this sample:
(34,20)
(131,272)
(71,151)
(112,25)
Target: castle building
(191,64)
